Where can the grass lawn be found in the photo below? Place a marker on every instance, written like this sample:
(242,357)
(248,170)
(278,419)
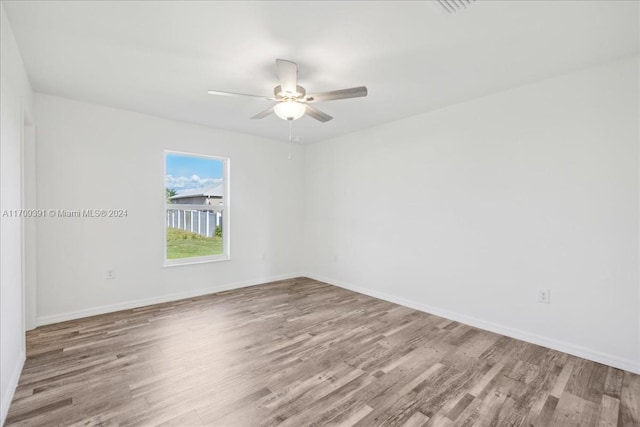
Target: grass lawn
(184,244)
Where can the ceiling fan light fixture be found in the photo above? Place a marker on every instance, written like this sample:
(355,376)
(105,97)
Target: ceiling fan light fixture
(289,110)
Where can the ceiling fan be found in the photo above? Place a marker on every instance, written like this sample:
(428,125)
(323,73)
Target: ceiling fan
(292,100)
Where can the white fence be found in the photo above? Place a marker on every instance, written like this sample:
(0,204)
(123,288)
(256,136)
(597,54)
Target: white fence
(202,222)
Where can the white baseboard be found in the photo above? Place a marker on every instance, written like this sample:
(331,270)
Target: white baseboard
(11,389)
(72,315)
(565,347)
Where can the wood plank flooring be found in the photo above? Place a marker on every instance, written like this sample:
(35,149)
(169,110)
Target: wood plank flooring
(303,353)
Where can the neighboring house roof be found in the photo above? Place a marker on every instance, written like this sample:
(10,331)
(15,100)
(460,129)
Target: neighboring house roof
(216,190)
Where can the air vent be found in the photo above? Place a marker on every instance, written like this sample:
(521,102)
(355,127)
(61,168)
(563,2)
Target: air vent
(452,6)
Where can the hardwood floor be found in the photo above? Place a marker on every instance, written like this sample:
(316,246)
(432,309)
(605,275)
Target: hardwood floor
(300,352)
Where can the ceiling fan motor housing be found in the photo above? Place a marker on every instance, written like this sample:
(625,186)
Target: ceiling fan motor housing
(279,93)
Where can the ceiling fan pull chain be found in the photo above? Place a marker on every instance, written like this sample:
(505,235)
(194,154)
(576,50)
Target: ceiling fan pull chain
(290,138)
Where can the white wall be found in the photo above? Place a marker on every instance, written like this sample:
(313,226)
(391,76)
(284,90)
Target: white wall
(93,157)
(15,105)
(490,200)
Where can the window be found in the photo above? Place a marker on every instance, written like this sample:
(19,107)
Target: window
(196,208)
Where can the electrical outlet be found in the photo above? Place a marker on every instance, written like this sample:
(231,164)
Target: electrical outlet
(111,274)
(544,296)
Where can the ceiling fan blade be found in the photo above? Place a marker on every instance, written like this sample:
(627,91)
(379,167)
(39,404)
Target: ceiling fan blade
(217,92)
(264,113)
(317,114)
(354,92)
(288,75)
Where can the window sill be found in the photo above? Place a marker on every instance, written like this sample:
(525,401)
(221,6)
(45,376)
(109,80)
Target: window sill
(195,260)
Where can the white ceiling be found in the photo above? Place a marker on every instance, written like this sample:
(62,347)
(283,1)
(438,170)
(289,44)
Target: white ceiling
(160,57)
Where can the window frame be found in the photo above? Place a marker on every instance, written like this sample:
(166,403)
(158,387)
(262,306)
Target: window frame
(224,208)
